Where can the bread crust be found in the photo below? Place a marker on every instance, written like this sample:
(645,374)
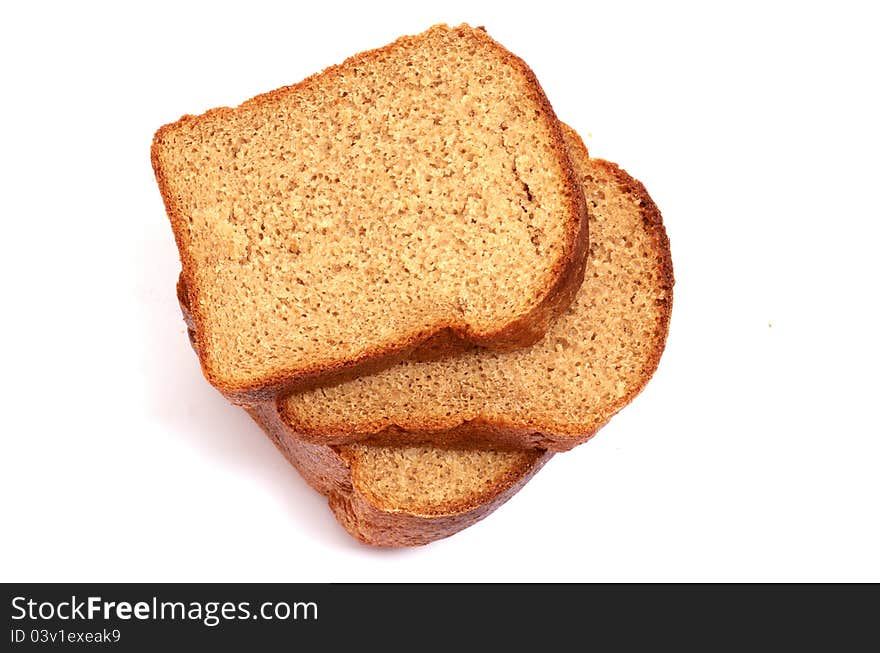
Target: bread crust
(333,471)
(499,433)
(445,338)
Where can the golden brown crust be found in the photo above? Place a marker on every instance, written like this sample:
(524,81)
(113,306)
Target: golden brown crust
(500,433)
(521,331)
(333,471)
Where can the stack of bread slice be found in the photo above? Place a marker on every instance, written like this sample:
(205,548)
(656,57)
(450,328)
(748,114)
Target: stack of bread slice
(414,278)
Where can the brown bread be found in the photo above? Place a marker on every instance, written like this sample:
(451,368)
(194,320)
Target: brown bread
(416,195)
(404,496)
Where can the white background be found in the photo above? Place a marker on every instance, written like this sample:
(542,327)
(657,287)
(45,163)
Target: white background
(753,454)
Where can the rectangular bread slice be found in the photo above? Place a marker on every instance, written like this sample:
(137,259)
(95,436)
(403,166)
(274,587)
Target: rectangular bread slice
(554,395)
(416,194)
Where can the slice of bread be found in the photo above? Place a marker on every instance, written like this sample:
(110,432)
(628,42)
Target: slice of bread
(554,395)
(416,194)
(404,496)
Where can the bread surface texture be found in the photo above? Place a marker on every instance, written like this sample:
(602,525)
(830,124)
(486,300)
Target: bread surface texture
(554,395)
(414,194)
(404,496)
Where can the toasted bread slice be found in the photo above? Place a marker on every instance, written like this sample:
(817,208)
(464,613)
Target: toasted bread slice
(554,395)
(416,194)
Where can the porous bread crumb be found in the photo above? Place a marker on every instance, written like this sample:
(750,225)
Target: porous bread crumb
(412,188)
(427,480)
(592,362)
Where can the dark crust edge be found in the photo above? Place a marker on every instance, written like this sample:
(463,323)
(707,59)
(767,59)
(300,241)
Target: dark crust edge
(333,471)
(502,434)
(445,340)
